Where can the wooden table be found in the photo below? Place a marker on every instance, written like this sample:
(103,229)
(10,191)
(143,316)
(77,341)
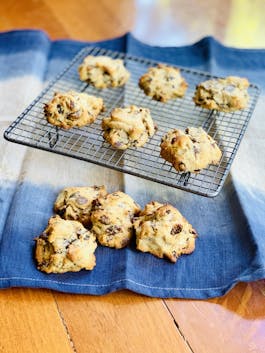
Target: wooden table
(44,321)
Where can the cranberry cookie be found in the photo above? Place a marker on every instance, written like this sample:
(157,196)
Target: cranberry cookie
(163,83)
(223,94)
(112,217)
(128,127)
(74,203)
(162,231)
(65,246)
(103,71)
(70,109)
(190,150)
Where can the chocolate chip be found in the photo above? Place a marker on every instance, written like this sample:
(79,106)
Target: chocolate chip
(96,203)
(81,200)
(125,242)
(187,131)
(173,140)
(195,149)
(79,232)
(104,220)
(176,229)
(112,230)
(168,211)
(75,115)
(193,232)
(72,104)
(60,109)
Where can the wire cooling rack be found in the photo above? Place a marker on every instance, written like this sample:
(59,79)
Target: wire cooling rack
(87,143)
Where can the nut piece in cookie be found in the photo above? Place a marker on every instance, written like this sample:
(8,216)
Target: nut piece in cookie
(103,71)
(65,246)
(112,217)
(70,109)
(163,83)
(190,150)
(223,94)
(74,203)
(162,231)
(128,127)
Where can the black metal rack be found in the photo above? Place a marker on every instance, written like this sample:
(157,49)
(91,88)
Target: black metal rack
(87,143)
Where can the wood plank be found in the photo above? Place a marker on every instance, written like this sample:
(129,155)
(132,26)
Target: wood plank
(30,322)
(120,322)
(235,321)
(82,20)
(94,20)
(30,14)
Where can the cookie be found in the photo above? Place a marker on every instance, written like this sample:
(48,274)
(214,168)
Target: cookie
(70,109)
(162,231)
(103,71)
(112,217)
(74,203)
(190,150)
(223,94)
(163,83)
(65,246)
(128,127)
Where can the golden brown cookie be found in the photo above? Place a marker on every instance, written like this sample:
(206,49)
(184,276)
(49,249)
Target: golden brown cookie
(128,127)
(163,83)
(223,94)
(162,231)
(103,71)
(74,203)
(112,217)
(65,246)
(71,109)
(190,150)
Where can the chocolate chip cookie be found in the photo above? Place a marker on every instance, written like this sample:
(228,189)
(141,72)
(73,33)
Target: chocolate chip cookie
(70,109)
(128,127)
(74,203)
(190,150)
(223,94)
(65,246)
(103,71)
(112,217)
(163,83)
(162,231)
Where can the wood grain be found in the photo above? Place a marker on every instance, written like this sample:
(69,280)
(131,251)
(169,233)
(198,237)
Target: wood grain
(30,322)
(235,321)
(120,322)
(82,20)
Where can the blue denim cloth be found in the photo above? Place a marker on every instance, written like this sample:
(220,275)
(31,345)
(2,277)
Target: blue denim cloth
(231,243)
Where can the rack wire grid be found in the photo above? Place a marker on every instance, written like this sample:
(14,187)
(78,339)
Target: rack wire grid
(87,143)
